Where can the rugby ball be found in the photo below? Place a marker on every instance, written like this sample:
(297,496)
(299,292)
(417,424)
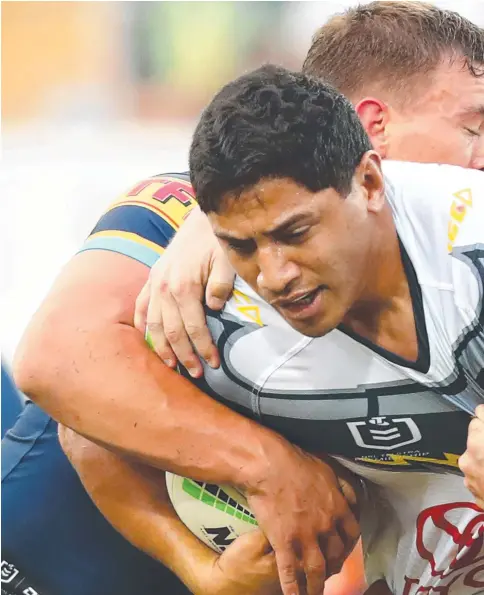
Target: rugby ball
(216,514)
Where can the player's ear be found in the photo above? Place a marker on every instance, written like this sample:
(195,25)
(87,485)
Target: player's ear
(369,177)
(374,115)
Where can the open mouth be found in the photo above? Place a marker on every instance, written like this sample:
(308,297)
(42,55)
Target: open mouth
(304,305)
(304,300)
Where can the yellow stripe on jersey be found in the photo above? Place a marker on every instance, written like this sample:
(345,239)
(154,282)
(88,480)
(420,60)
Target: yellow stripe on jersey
(168,196)
(449,460)
(133,237)
(141,223)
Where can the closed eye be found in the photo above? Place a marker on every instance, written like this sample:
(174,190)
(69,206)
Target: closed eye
(293,237)
(472,132)
(244,247)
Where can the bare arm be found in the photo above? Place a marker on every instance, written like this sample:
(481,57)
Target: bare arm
(83,362)
(135,501)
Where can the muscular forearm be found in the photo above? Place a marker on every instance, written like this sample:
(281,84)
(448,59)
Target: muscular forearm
(134,499)
(153,413)
(86,366)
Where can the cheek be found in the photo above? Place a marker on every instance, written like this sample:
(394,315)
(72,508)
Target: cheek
(338,260)
(444,144)
(431,140)
(455,149)
(245,268)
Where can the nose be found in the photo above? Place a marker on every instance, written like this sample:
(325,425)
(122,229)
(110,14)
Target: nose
(276,271)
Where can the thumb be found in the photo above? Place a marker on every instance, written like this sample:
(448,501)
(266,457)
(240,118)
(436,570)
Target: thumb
(220,282)
(141,307)
(479,413)
(253,544)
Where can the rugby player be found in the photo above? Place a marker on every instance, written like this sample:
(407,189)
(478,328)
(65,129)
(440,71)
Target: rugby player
(338,249)
(58,562)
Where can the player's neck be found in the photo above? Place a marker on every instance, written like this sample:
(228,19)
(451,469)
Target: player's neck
(385,315)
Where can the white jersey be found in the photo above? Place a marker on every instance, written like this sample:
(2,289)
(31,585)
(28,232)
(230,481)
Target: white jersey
(448,290)
(397,423)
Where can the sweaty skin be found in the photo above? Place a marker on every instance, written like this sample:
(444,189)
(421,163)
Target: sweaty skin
(133,498)
(83,361)
(442,124)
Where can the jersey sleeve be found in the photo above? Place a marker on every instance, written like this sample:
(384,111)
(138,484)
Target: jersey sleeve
(142,222)
(466,217)
(466,239)
(466,233)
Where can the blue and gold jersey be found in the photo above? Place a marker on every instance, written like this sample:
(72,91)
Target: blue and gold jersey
(141,223)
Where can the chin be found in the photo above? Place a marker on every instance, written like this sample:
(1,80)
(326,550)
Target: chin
(314,328)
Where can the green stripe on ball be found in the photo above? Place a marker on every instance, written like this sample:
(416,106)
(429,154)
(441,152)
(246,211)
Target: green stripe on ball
(149,340)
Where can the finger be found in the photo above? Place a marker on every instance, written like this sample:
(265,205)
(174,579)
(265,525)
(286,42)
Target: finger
(475,426)
(471,487)
(255,543)
(155,328)
(480,412)
(141,307)
(480,503)
(350,529)
(287,569)
(220,282)
(175,338)
(464,463)
(315,570)
(193,318)
(335,552)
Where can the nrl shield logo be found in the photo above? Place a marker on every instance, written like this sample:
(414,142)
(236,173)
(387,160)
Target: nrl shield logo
(382,433)
(8,572)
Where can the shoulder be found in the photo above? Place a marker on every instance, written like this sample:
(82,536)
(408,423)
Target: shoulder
(143,220)
(439,214)
(433,203)
(430,187)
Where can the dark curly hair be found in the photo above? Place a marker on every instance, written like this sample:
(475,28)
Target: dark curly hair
(273,123)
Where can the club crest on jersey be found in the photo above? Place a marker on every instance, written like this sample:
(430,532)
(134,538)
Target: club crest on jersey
(384,433)
(8,572)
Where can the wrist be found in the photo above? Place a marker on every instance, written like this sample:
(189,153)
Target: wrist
(271,453)
(197,575)
(205,582)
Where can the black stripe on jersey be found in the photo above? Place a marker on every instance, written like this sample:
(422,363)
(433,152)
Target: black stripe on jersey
(138,220)
(344,427)
(369,393)
(471,344)
(334,437)
(360,391)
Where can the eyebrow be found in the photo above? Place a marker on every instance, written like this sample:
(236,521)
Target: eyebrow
(278,228)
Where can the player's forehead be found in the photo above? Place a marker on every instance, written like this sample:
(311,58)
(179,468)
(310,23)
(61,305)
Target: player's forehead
(458,88)
(267,207)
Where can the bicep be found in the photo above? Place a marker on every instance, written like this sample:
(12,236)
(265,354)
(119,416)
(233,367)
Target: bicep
(96,289)
(99,285)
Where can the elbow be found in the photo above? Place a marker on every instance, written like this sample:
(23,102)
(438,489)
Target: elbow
(29,370)
(36,363)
